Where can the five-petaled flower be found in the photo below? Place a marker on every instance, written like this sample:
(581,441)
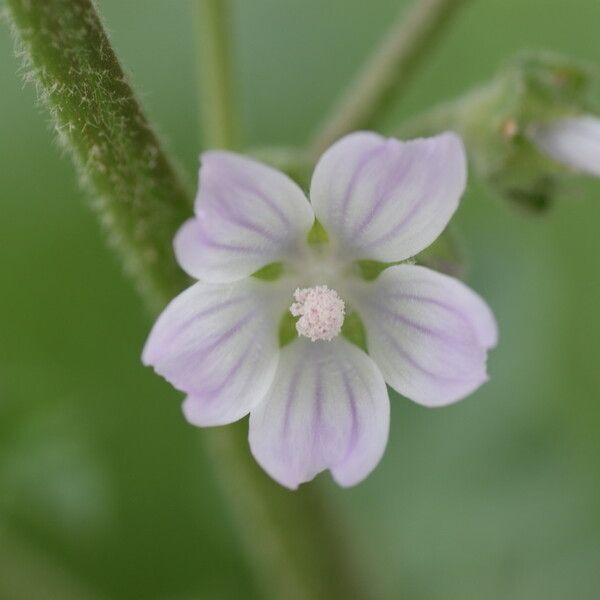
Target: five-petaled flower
(320,401)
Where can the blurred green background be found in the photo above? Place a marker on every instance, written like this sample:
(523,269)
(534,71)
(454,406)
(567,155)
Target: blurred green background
(105,491)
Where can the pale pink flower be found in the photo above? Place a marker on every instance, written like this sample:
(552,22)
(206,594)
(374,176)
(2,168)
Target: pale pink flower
(572,141)
(320,402)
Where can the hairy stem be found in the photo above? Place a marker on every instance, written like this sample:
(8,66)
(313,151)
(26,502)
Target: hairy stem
(138,193)
(218,118)
(385,74)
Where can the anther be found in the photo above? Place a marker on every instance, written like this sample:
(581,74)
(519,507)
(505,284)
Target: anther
(321,312)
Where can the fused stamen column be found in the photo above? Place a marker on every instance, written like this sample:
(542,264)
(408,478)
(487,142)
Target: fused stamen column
(321,312)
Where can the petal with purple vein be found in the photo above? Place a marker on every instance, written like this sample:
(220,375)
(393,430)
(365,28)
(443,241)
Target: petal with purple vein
(328,408)
(218,343)
(247,216)
(428,333)
(387,200)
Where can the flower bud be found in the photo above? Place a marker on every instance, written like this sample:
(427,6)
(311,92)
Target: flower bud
(571,141)
(528,129)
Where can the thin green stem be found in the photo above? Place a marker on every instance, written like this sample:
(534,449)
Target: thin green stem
(385,74)
(218,117)
(454,114)
(138,193)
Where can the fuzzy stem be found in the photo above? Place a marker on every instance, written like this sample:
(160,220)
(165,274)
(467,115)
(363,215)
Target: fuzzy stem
(386,73)
(218,118)
(139,194)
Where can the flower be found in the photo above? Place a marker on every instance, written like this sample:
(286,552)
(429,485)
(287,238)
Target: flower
(320,401)
(572,141)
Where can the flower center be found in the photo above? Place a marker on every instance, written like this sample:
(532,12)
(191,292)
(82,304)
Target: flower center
(321,312)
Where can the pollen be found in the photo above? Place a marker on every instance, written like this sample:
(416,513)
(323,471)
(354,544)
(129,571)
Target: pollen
(321,312)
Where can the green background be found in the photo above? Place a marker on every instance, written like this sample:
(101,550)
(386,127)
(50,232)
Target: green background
(105,491)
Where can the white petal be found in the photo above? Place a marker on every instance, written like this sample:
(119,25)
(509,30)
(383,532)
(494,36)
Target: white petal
(387,200)
(218,343)
(427,332)
(328,408)
(247,216)
(574,142)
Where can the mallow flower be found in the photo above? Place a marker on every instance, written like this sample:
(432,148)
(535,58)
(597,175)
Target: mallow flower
(316,399)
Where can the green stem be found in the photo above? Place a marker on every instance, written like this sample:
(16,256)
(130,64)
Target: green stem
(449,115)
(139,194)
(438,119)
(386,73)
(218,118)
